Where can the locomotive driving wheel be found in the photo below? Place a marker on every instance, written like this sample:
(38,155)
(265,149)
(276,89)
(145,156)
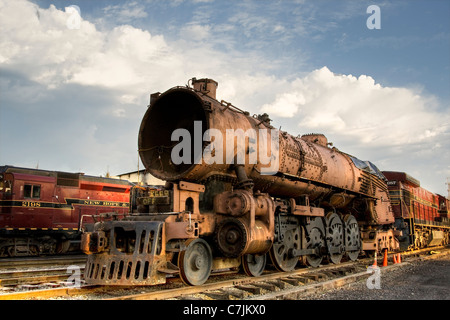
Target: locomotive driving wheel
(253,264)
(195,262)
(352,237)
(315,239)
(335,237)
(282,252)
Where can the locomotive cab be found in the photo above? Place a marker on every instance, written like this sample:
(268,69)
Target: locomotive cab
(6,185)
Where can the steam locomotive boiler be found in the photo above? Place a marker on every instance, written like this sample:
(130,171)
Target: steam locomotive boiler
(238,192)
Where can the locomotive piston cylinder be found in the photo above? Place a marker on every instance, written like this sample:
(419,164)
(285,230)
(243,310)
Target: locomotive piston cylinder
(247,224)
(235,237)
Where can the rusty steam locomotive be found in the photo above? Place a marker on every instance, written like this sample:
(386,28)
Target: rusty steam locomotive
(271,195)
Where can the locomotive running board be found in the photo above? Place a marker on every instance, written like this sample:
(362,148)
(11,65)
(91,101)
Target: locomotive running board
(122,266)
(320,184)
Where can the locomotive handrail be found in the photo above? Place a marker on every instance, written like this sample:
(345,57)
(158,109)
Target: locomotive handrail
(158,213)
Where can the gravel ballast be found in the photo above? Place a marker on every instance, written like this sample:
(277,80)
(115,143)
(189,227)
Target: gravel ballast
(418,280)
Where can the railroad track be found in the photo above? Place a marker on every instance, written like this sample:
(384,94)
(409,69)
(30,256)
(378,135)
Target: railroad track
(232,286)
(29,262)
(20,274)
(248,288)
(36,276)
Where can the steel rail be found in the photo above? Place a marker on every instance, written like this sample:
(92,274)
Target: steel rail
(307,273)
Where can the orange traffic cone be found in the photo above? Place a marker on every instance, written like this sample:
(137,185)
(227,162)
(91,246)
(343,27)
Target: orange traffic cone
(394,258)
(399,259)
(385,259)
(375,260)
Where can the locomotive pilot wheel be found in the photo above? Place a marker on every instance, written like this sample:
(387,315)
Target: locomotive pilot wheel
(195,262)
(231,237)
(253,264)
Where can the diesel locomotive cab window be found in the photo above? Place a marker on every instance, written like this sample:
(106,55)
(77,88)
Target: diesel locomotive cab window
(32,191)
(5,185)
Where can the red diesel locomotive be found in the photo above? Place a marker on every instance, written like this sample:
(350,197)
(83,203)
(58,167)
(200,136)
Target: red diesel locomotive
(420,215)
(43,212)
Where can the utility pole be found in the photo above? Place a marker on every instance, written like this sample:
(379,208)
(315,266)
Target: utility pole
(448,188)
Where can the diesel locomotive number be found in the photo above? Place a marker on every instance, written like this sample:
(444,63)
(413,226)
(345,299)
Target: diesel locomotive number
(31,204)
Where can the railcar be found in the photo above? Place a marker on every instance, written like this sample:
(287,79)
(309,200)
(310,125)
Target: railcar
(239,193)
(43,212)
(420,215)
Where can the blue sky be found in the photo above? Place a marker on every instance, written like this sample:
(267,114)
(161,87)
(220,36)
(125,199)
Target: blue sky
(73,99)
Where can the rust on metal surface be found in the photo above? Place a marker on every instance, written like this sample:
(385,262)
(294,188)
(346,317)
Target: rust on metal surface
(218,208)
(136,253)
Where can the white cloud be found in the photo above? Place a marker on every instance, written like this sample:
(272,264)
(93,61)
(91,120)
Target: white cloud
(286,105)
(359,109)
(38,43)
(125,13)
(202,1)
(42,47)
(196,32)
(129,60)
(110,72)
(123,60)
